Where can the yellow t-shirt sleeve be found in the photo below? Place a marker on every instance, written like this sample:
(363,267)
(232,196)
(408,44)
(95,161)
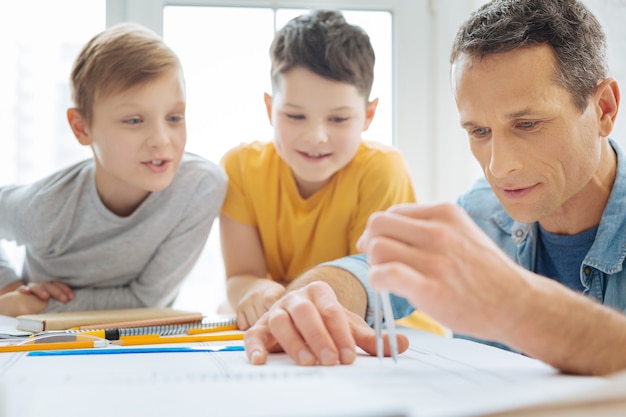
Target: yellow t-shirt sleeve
(237,205)
(385,181)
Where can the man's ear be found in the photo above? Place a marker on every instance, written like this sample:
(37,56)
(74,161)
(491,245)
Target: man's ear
(268,106)
(78,126)
(370,111)
(607,99)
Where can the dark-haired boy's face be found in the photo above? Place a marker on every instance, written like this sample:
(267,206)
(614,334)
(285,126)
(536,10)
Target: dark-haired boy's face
(317,125)
(538,151)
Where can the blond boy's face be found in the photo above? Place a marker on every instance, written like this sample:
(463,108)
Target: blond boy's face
(138,138)
(317,126)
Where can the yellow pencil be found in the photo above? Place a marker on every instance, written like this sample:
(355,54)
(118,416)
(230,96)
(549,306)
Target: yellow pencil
(53,346)
(213,329)
(180,339)
(140,339)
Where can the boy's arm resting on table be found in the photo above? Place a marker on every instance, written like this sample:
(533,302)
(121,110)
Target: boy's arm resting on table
(319,320)
(249,290)
(159,282)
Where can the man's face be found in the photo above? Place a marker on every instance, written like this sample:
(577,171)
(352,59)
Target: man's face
(537,150)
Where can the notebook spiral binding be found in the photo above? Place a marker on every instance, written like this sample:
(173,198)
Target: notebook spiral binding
(176,329)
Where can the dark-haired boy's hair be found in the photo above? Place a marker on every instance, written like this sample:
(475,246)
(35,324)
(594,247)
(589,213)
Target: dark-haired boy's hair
(324,43)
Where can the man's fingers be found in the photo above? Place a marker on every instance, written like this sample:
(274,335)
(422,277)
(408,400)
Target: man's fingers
(403,230)
(398,278)
(424,211)
(337,321)
(309,325)
(365,338)
(368,344)
(289,337)
(314,322)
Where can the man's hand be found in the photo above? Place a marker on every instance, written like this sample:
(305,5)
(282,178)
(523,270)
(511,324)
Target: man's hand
(312,327)
(444,264)
(257,300)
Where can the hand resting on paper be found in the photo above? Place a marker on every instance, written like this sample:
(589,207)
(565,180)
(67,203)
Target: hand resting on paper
(258,297)
(313,327)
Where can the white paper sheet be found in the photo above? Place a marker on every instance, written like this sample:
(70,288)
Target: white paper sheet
(437,377)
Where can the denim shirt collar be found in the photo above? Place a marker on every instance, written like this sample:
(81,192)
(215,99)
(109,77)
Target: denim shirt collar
(609,249)
(607,253)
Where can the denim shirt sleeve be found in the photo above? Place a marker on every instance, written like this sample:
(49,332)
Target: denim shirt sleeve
(357,266)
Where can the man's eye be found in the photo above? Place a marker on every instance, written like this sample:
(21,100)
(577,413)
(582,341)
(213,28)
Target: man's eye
(527,124)
(338,119)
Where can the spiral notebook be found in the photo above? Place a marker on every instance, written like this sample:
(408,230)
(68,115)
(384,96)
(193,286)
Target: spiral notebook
(172,329)
(132,317)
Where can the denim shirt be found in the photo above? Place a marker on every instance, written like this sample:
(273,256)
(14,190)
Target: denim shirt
(601,273)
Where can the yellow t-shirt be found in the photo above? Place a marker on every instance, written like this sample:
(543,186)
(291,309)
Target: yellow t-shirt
(298,233)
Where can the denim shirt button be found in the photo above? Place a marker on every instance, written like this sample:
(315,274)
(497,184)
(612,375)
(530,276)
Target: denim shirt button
(519,233)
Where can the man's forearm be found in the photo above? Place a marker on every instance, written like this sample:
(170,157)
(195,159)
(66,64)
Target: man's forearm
(348,289)
(571,332)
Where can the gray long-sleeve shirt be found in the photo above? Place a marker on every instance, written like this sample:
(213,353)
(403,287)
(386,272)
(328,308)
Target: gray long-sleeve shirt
(111,261)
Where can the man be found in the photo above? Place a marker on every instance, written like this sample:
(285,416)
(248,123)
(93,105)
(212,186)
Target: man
(532,257)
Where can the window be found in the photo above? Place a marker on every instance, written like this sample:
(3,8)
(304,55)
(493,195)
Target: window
(38,51)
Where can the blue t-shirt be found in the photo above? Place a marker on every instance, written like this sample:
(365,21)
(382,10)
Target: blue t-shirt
(559,256)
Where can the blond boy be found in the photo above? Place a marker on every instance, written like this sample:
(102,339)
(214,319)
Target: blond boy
(121,229)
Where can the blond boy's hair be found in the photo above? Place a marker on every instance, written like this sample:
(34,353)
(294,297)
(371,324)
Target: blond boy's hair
(120,57)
